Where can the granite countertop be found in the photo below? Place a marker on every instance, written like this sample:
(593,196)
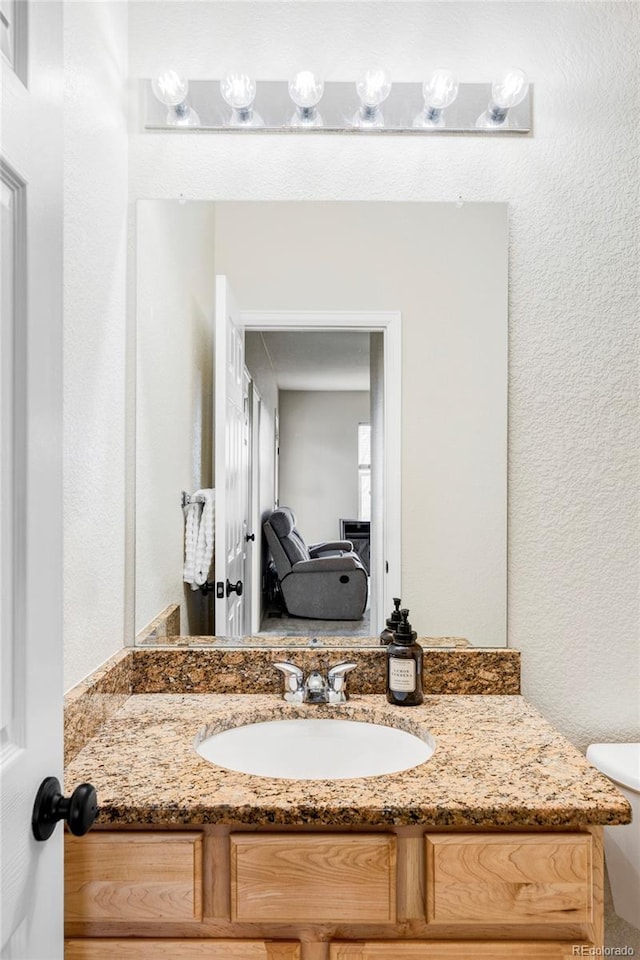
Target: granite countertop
(292,641)
(497,763)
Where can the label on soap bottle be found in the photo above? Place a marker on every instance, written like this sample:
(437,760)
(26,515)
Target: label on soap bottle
(402,675)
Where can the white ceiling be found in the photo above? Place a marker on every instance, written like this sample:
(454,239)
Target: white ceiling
(318,360)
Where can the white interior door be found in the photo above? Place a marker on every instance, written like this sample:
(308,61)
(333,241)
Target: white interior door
(230,464)
(30,473)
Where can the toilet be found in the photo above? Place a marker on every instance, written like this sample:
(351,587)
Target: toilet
(621,763)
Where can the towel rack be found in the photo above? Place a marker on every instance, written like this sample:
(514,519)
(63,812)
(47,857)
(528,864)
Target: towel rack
(188,498)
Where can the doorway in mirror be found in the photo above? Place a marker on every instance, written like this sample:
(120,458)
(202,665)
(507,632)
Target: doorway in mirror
(316,386)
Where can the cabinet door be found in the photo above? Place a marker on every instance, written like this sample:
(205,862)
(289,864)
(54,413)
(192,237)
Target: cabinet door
(458,950)
(133,876)
(314,878)
(515,879)
(110,949)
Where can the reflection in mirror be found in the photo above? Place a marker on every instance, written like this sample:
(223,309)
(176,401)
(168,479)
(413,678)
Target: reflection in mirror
(319,384)
(361,384)
(334,583)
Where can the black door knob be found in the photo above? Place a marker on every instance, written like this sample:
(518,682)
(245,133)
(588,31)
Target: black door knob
(234,588)
(250,536)
(79,810)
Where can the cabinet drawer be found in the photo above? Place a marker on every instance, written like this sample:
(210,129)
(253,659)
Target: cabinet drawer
(522,878)
(313,878)
(458,950)
(110,949)
(133,876)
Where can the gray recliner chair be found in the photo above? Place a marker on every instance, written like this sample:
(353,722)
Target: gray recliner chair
(324,581)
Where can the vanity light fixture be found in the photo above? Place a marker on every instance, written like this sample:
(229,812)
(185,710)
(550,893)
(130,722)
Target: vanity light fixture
(172,90)
(307,104)
(373,88)
(507,91)
(239,91)
(306,90)
(439,92)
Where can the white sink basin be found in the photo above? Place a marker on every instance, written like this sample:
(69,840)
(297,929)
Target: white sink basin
(315,749)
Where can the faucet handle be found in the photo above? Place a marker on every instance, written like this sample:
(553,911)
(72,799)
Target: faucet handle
(293,681)
(337,680)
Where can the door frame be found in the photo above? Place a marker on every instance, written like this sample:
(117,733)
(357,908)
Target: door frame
(254,558)
(388,573)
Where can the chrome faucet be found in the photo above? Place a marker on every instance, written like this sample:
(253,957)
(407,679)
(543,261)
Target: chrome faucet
(315,687)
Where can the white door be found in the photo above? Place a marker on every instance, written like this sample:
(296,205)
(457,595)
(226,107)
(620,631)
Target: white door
(230,464)
(30,473)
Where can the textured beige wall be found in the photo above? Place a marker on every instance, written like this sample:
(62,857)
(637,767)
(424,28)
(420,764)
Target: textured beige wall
(95,310)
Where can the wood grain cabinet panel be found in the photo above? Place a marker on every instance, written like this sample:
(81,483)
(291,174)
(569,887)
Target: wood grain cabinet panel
(133,876)
(111,949)
(521,878)
(458,950)
(321,878)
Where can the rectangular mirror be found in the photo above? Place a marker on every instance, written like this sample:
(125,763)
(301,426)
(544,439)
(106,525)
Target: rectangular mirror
(361,378)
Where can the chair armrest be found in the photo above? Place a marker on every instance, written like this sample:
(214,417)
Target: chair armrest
(326,545)
(328,564)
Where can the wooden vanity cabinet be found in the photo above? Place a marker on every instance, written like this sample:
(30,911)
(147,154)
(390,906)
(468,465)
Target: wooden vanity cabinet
(111,948)
(311,878)
(524,878)
(460,950)
(125,876)
(407,893)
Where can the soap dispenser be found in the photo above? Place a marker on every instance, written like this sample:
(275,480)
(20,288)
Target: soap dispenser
(393,623)
(404,666)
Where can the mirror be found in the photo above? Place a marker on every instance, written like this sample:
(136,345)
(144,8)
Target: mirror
(441,271)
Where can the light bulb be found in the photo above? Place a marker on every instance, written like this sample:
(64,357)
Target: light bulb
(507,91)
(306,90)
(239,91)
(172,89)
(373,88)
(510,89)
(439,92)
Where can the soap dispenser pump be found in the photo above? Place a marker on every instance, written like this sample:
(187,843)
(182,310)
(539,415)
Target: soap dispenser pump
(393,622)
(404,666)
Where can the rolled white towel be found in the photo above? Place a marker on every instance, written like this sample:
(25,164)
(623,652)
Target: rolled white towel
(206,532)
(192,525)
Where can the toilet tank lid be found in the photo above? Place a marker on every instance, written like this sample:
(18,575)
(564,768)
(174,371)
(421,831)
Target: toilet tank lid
(618,761)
